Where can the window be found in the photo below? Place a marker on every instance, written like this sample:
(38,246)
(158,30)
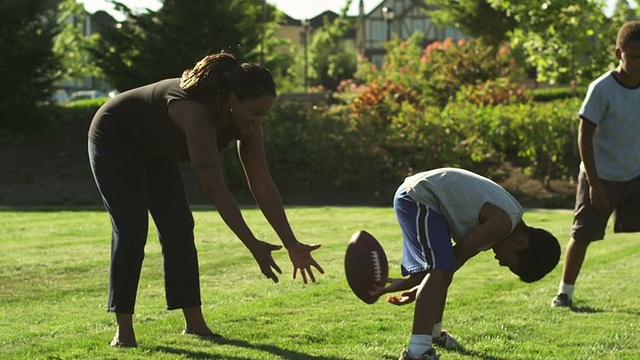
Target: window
(377,32)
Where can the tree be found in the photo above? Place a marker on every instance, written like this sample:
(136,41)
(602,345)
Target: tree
(72,46)
(330,60)
(623,12)
(28,63)
(562,40)
(161,44)
(470,17)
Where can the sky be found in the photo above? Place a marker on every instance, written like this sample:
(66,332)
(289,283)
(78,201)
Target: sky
(297,9)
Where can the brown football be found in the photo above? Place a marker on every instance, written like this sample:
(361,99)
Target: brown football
(365,265)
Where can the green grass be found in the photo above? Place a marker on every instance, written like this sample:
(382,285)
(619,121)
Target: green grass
(53,285)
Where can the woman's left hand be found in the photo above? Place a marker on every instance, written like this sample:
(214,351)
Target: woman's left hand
(300,255)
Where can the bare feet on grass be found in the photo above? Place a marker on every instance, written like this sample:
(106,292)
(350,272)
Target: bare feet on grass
(125,337)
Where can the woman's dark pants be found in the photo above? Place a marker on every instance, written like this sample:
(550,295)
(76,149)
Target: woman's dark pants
(132,187)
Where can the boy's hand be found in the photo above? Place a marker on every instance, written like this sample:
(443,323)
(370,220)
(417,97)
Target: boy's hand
(405,298)
(381,290)
(599,196)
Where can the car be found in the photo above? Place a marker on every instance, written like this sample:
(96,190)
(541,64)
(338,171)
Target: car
(59,96)
(88,95)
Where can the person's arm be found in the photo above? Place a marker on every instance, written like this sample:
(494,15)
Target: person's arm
(412,283)
(495,225)
(195,120)
(597,192)
(267,196)
(404,283)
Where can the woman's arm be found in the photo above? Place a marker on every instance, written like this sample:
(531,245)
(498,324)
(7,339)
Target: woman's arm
(195,120)
(267,196)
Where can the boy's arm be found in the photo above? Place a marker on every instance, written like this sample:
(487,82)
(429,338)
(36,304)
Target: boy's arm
(597,192)
(403,283)
(495,225)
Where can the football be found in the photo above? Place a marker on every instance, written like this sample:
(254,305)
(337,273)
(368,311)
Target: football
(365,265)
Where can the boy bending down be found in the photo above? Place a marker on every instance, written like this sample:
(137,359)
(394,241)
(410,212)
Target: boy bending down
(436,206)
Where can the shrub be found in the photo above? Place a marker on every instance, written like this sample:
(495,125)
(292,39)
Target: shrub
(339,146)
(550,94)
(493,92)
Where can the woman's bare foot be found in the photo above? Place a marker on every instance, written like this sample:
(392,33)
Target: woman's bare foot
(195,322)
(125,337)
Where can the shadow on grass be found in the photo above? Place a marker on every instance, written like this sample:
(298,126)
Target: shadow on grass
(585,310)
(476,355)
(592,310)
(274,350)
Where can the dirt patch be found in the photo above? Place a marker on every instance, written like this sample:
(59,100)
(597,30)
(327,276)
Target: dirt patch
(53,169)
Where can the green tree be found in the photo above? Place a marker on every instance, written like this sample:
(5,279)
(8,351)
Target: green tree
(72,46)
(603,57)
(330,59)
(470,17)
(623,12)
(28,64)
(559,38)
(160,44)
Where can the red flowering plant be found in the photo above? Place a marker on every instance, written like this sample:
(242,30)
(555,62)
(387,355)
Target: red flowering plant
(447,66)
(386,88)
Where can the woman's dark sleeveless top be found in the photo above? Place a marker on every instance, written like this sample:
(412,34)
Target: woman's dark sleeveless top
(140,117)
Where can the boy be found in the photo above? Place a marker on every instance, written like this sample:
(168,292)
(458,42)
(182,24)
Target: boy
(608,139)
(436,206)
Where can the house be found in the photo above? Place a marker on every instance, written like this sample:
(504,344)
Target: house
(91,24)
(401,18)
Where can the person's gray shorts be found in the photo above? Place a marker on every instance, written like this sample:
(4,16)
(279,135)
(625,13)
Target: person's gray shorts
(589,223)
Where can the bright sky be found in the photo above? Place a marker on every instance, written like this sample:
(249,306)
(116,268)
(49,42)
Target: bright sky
(297,9)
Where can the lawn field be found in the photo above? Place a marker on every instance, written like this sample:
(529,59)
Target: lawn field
(54,272)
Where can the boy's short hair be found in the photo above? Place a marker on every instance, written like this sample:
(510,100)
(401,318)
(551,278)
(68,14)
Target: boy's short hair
(629,32)
(540,257)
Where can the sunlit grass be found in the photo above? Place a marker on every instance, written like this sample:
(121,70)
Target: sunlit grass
(54,271)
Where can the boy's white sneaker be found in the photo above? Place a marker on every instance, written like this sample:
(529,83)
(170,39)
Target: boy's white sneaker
(446,341)
(429,355)
(562,300)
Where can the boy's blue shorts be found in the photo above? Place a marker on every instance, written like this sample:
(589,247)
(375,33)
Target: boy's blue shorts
(426,236)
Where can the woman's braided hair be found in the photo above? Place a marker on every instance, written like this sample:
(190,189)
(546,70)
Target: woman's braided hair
(224,74)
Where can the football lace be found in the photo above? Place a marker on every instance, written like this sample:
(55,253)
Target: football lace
(376,266)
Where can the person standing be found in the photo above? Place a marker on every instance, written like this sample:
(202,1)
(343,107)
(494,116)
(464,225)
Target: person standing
(136,143)
(609,144)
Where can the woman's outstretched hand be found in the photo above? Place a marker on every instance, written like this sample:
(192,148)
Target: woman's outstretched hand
(261,251)
(300,255)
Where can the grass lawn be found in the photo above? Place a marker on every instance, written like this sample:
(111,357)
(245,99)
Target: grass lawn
(53,287)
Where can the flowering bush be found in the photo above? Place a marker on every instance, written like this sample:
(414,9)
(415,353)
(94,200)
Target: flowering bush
(493,92)
(445,104)
(447,66)
(380,101)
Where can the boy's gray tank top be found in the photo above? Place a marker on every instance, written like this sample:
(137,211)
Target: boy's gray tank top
(459,195)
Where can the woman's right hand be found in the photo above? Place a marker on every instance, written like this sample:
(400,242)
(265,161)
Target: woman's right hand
(261,251)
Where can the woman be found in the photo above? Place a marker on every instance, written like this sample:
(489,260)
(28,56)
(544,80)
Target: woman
(136,142)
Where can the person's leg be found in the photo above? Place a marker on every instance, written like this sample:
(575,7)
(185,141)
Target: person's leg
(174,221)
(430,300)
(426,246)
(120,176)
(589,225)
(574,258)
